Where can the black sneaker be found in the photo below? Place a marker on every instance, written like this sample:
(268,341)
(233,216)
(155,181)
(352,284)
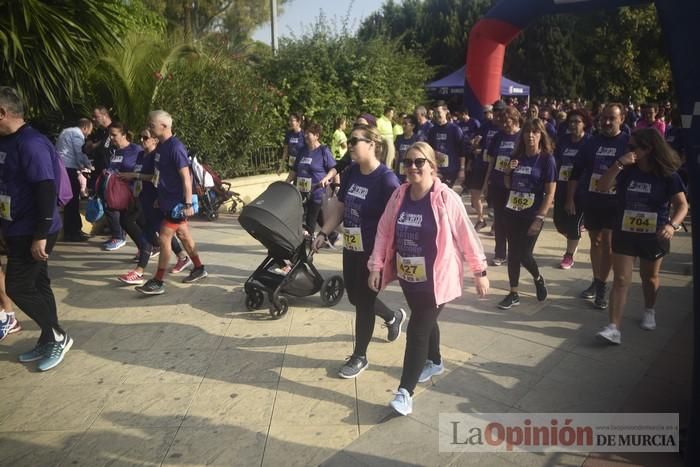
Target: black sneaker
(589,292)
(394,329)
(601,301)
(353,367)
(479,225)
(195,275)
(541,289)
(152,287)
(511,300)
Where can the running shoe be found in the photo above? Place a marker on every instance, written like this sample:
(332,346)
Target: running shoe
(600,301)
(610,335)
(55,351)
(152,287)
(114,244)
(353,367)
(541,289)
(480,225)
(430,369)
(181,265)
(498,261)
(394,328)
(132,278)
(511,300)
(195,275)
(589,292)
(155,252)
(37,353)
(402,402)
(567,262)
(8,326)
(648,320)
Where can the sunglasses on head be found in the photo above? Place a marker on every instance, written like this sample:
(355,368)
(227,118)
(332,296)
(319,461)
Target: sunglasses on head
(354,140)
(419,162)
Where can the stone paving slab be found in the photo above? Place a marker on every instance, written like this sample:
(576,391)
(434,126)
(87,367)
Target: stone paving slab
(193,378)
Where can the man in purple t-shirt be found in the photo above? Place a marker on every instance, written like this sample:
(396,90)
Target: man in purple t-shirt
(172,178)
(30,224)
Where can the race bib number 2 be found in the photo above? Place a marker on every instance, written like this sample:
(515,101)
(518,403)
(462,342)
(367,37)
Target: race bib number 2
(411,269)
(639,221)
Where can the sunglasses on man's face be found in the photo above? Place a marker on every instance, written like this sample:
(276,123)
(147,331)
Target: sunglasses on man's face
(354,140)
(419,162)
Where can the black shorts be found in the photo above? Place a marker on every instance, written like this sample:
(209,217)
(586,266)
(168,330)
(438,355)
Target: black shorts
(448,178)
(644,246)
(567,224)
(600,217)
(475,179)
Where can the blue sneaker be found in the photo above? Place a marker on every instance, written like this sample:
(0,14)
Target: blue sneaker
(402,402)
(55,351)
(37,353)
(429,370)
(114,244)
(8,326)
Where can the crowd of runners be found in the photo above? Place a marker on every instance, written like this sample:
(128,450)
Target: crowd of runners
(392,187)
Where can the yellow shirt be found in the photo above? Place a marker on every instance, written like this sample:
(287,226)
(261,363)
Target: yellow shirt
(337,142)
(385,127)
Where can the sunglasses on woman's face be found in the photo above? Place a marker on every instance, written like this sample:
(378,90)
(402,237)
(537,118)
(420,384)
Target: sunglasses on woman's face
(419,162)
(145,137)
(354,140)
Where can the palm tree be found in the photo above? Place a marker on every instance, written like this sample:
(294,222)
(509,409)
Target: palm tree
(45,46)
(127,76)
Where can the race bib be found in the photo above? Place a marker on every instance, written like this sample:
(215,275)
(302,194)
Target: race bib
(595,181)
(639,221)
(411,269)
(502,163)
(116,159)
(443,160)
(304,184)
(292,160)
(156,177)
(520,201)
(5,207)
(352,239)
(485,156)
(565,173)
(138,187)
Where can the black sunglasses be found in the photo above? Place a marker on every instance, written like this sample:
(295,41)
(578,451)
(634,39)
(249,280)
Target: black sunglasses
(354,140)
(419,162)
(145,137)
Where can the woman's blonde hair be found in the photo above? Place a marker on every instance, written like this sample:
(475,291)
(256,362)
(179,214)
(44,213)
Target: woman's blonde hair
(427,151)
(372,134)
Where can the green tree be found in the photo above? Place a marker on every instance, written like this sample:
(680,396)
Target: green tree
(47,45)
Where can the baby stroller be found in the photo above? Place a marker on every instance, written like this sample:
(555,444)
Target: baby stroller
(275,219)
(212,191)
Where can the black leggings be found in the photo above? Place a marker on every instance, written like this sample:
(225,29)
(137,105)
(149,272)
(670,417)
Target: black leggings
(367,305)
(498,198)
(28,285)
(311,212)
(520,248)
(132,222)
(422,337)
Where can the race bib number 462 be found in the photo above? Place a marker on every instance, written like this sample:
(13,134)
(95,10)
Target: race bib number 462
(502,163)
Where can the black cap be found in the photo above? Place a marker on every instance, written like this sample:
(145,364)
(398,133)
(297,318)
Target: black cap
(499,106)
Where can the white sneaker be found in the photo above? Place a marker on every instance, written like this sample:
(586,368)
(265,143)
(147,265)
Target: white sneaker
(402,402)
(648,321)
(610,335)
(429,370)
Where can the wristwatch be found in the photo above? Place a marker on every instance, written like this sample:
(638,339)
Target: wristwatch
(676,227)
(480,274)
(620,165)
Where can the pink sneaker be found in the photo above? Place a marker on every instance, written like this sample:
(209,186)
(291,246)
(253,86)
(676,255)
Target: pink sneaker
(131,278)
(181,264)
(567,262)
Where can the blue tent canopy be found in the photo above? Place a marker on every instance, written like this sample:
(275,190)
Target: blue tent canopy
(454,84)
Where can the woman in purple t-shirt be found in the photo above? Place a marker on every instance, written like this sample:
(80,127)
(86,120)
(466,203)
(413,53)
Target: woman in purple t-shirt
(531,179)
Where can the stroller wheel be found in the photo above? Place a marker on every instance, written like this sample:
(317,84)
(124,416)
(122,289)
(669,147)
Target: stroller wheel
(254,299)
(332,290)
(212,215)
(279,309)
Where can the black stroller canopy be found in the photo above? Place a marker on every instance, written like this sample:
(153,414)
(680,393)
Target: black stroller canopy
(275,219)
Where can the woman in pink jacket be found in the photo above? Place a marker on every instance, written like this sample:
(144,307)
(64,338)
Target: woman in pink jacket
(423,239)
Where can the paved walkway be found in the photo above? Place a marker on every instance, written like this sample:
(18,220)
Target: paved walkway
(192,378)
